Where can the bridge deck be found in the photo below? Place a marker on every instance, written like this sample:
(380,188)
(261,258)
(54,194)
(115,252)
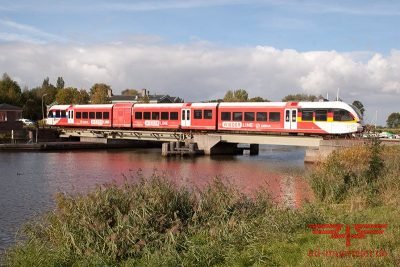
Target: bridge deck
(304,141)
(181,136)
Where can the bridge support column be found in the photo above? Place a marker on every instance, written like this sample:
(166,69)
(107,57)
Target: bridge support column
(326,147)
(254,149)
(212,145)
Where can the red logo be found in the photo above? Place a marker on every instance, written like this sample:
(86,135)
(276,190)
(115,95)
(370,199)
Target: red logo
(361,230)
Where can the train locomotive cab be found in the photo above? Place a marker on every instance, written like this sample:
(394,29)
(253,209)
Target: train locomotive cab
(328,118)
(57,115)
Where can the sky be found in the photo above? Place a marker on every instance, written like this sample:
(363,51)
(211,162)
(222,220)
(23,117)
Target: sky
(199,49)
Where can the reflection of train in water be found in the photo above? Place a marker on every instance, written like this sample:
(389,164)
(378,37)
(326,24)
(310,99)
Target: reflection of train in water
(321,118)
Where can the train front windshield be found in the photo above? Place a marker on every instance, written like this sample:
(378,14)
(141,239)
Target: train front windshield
(358,112)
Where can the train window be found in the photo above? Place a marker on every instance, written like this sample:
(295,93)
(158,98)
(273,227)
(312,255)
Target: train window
(146,115)
(173,116)
(99,115)
(287,114)
(294,115)
(183,115)
(138,115)
(208,114)
(274,116)
(225,116)
(164,116)
(249,116)
(72,114)
(84,115)
(78,115)
(307,115)
(321,115)
(50,115)
(198,114)
(342,115)
(237,116)
(155,115)
(261,116)
(58,114)
(63,114)
(91,115)
(106,115)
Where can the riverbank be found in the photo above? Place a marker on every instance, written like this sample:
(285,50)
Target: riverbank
(154,222)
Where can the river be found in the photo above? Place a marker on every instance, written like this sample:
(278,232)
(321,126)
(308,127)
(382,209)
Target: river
(29,181)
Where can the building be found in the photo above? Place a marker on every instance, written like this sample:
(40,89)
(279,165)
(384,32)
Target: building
(145,96)
(10,113)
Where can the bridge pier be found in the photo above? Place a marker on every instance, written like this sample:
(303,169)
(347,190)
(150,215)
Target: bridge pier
(326,147)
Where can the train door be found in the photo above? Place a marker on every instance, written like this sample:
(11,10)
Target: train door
(185,120)
(291,119)
(70,116)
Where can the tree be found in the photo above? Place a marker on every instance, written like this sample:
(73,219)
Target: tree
(360,106)
(301,97)
(239,95)
(47,89)
(10,92)
(99,93)
(393,121)
(258,99)
(60,83)
(83,97)
(71,95)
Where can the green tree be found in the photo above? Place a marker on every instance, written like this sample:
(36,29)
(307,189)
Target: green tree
(32,104)
(301,97)
(360,106)
(49,90)
(66,96)
(60,83)
(99,93)
(83,97)
(258,99)
(393,121)
(10,92)
(239,95)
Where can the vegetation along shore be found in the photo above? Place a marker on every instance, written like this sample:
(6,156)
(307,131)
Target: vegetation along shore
(153,222)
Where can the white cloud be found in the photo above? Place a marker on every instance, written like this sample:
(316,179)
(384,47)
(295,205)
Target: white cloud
(199,72)
(25,33)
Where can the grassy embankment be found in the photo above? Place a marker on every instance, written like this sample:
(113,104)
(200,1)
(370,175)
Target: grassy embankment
(155,223)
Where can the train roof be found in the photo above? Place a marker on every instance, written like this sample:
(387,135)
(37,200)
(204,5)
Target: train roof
(61,107)
(252,104)
(160,105)
(94,106)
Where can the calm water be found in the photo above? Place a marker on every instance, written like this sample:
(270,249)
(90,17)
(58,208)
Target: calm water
(29,181)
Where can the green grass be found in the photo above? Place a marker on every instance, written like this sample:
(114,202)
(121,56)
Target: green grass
(153,222)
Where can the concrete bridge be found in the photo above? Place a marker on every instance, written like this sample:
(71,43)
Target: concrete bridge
(215,143)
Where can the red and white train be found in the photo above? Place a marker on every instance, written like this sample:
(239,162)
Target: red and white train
(321,118)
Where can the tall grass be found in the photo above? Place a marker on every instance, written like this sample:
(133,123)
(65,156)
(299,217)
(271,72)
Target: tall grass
(366,175)
(153,222)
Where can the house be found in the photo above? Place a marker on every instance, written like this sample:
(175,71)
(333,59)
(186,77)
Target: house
(10,113)
(145,96)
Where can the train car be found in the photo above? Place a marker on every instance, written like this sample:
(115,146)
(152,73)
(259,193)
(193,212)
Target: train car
(322,118)
(157,116)
(122,115)
(96,116)
(57,115)
(200,116)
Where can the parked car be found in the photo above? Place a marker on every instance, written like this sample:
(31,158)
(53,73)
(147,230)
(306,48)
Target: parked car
(27,122)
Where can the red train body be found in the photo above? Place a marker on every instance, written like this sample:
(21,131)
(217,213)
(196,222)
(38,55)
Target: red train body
(290,117)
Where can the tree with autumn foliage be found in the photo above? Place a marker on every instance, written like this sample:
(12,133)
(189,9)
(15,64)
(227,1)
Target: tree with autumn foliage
(99,93)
